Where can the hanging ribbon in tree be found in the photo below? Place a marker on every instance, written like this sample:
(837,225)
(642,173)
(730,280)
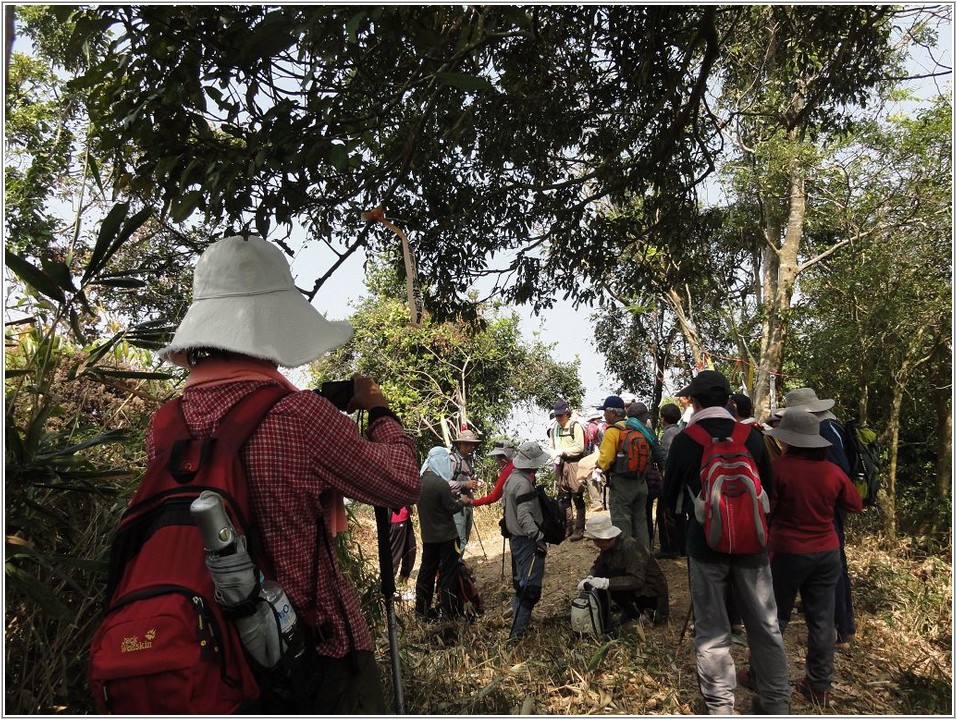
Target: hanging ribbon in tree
(411,280)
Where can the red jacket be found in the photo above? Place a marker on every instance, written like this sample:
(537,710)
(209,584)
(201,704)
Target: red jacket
(806,493)
(496,493)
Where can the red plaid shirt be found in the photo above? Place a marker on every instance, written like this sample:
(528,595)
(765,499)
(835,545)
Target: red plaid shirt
(303,448)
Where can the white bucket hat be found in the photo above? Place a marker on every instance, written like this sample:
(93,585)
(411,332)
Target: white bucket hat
(245,301)
(800,428)
(530,456)
(599,527)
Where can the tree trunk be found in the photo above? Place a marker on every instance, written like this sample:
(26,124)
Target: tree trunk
(945,443)
(675,301)
(889,506)
(780,277)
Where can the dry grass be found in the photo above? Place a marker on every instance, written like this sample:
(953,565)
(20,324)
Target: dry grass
(900,663)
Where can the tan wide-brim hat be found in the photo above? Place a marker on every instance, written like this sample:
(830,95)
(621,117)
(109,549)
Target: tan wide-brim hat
(799,428)
(466,436)
(599,527)
(806,399)
(245,301)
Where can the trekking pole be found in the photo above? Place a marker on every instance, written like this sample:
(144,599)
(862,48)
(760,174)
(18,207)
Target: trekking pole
(387,575)
(521,594)
(479,536)
(503,558)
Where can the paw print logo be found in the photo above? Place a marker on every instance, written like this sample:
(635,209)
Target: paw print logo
(150,634)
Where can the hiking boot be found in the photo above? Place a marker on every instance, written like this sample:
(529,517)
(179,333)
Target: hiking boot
(820,698)
(746,678)
(577,535)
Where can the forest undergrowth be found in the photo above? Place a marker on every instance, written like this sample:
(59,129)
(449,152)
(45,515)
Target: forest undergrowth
(899,663)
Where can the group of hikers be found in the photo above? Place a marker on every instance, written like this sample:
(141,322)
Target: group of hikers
(304,456)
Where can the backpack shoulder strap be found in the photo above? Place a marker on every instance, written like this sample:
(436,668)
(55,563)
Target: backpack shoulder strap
(244,417)
(741,433)
(698,434)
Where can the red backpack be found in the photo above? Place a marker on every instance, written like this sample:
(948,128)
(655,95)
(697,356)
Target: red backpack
(732,505)
(164,646)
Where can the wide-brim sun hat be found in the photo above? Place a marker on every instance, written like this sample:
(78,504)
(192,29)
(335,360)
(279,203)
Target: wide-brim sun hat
(530,456)
(502,449)
(466,436)
(599,527)
(245,301)
(806,399)
(799,428)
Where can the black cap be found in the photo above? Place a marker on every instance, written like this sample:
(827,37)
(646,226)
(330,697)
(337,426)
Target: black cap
(705,383)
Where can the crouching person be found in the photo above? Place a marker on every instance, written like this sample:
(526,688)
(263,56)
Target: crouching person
(523,524)
(625,575)
(440,536)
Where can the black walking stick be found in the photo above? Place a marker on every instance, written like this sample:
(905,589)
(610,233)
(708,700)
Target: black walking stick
(387,573)
(503,557)
(479,536)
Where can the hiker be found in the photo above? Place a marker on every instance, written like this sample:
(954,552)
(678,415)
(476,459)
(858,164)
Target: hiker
(246,319)
(806,398)
(463,482)
(402,542)
(804,545)
(567,443)
(594,431)
(437,508)
(711,573)
(741,409)
(626,493)
(686,411)
(503,451)
(671,522)
(638,416)
(625,575)
(523,522)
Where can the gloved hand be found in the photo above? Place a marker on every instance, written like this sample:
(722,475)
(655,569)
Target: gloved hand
(587,580)
(599,583)
(541,549)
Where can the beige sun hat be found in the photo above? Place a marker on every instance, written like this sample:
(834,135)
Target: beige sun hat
(599,527)
(530,456)
(466,436)
(806,399)
(800,428)
(245,301)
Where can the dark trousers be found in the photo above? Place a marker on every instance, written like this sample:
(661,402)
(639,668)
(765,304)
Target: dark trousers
(843,609)
(402,541)
(813,575)
(349,685)
(443,558)
(576,520)
(671,531)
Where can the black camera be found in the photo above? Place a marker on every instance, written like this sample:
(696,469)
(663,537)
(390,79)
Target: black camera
(338,392)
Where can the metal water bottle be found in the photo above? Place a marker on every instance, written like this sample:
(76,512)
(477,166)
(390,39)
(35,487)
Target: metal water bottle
(293,639)
(209,513)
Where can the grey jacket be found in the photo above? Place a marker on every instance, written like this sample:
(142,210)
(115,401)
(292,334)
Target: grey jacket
(521,518)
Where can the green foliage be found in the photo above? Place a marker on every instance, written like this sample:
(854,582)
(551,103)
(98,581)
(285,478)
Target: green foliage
(447,370)
(260,115)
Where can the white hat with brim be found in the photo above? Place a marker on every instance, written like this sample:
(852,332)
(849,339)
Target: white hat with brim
(245,301)
(806,399)
(530,456)
(799,428)
(599,527)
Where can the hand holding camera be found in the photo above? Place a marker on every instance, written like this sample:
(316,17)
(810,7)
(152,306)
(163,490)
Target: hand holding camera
(359,393)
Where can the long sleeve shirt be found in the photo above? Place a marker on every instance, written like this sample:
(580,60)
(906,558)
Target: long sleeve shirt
(807,492)
(496,493)
(436,507)
(303,451)
(521,518)
(625,565)
(568,441)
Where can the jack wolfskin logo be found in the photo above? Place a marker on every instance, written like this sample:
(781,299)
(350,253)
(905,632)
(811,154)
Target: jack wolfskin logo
(133,644)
